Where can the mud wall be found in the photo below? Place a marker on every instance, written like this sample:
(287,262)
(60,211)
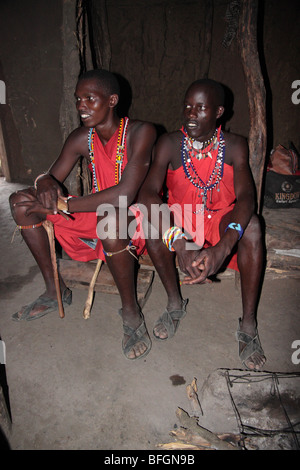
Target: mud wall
(30,66)
(157,46)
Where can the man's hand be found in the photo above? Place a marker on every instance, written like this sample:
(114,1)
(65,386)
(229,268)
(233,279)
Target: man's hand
(33,206)
(47,192)
(207,261)
(186,258)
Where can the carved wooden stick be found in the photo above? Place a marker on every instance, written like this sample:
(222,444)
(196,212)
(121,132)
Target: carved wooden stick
(89,300)
(48,226)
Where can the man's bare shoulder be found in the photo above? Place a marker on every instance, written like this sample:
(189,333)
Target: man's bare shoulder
(236,147)
(171,139)
(233,139)
(77,141)
(167,150)
(80,133)
(136,126)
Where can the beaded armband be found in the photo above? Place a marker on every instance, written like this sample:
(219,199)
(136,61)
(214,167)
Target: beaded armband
(236,227)
(171,235)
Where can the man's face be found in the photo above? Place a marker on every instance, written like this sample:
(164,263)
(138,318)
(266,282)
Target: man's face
(201,112)
(92,103)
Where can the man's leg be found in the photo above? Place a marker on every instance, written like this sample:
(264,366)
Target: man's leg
(38,243)
(250,264)
(164,263)
(122,265)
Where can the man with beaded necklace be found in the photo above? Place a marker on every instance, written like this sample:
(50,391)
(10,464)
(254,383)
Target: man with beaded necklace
(209,171)
(118,152)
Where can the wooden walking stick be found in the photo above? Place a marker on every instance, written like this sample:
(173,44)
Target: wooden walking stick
(48,226)
(89,300)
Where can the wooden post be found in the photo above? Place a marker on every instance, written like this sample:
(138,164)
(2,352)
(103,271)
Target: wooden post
(247,35)
(68,118)
(206,39)
(98,26)
(3,157)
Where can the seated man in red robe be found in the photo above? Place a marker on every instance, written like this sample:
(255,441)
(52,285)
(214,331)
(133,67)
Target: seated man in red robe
(118,152)
(210,219)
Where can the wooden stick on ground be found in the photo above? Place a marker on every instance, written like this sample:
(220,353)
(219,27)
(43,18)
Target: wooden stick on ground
(192,394)
(192,425)
(89,300)
(48,226)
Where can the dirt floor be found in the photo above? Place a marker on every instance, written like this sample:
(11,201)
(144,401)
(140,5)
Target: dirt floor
(69,385)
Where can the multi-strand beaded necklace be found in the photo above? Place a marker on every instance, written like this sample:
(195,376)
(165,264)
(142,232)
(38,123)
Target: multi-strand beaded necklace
(119,153)
(201,150)
(215,144)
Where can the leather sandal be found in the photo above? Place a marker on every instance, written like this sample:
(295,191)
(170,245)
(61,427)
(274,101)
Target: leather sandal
(167,319)
(43,300)
(138,335)
(252,346)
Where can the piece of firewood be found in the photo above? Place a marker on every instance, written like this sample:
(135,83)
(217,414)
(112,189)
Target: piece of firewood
(178,446)
(191,423)
(188,437)
(192,395)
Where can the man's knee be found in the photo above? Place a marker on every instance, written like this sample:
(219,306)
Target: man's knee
(14,198)
(253,232)
(18,197)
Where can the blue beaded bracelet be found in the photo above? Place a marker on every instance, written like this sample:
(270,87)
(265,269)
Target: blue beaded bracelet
(236,227)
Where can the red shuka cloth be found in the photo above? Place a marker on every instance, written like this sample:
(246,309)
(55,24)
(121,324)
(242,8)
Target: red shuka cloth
(183,193)
(68,232)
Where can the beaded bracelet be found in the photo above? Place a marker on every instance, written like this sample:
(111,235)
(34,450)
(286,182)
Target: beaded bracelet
(171,235)
(37,178)
(236,227)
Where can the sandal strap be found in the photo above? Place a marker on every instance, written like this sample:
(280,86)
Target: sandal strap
(244,337)
(168,317)
(45,301)
(134,336)
(253,344)
(140,334)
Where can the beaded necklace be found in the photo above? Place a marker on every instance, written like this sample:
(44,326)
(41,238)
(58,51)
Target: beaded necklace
(191,173)
(198,149)
(119,152)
